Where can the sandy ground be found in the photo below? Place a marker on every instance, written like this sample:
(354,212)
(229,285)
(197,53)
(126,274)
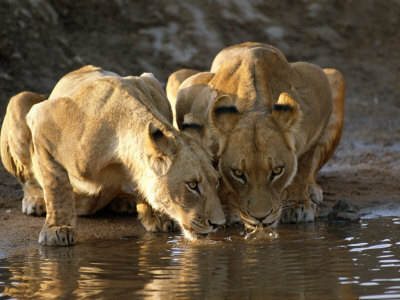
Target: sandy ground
(42,40)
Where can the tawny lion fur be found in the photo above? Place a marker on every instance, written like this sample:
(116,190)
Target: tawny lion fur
(273,125)
(96,134)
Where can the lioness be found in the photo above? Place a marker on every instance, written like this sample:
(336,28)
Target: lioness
(273,125)
(99,132)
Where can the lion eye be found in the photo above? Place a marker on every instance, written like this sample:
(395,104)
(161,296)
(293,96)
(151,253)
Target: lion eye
(275,172)
(194,186)
(239,175)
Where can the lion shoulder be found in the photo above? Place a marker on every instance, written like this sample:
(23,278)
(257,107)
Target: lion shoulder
(88,111)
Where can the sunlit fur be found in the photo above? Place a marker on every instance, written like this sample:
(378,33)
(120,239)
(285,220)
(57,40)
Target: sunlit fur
(289,115)
(95,134)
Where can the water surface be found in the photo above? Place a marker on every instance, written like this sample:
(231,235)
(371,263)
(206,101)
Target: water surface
(309,261)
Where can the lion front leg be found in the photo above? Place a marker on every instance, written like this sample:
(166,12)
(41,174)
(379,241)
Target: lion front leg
(60,202)
(298,205)
(330,139)
(305,195)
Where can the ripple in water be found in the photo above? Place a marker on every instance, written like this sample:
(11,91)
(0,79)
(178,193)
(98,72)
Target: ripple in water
(330,261)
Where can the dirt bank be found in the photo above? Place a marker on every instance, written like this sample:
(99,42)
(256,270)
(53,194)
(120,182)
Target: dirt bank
(42,40)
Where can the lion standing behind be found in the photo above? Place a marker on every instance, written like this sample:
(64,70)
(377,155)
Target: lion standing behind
(274,124)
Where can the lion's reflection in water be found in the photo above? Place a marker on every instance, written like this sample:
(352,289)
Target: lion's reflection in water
(185,270)
(303,262)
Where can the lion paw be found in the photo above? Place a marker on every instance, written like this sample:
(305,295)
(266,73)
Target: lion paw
(153,221)
(123,205)
(33,205)
(299,213)
(158,223)
(316,193)
(57,235)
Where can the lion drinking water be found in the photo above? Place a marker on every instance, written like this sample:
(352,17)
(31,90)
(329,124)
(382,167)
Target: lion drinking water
(96,134)
(273,125)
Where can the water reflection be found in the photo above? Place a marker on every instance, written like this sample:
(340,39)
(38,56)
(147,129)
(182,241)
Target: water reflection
(183,270)
(325,261)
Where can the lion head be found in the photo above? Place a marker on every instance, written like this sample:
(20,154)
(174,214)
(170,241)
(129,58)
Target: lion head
(186,188)
(257,158)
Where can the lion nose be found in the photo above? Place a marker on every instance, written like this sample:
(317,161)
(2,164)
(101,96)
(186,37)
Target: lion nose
(214,226)
(262,218)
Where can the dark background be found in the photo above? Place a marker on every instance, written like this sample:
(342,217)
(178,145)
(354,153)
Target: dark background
(41,40)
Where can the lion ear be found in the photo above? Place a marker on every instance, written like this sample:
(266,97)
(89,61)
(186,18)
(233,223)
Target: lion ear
(285,112)
(224,114)
(194,126)
(159,149)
